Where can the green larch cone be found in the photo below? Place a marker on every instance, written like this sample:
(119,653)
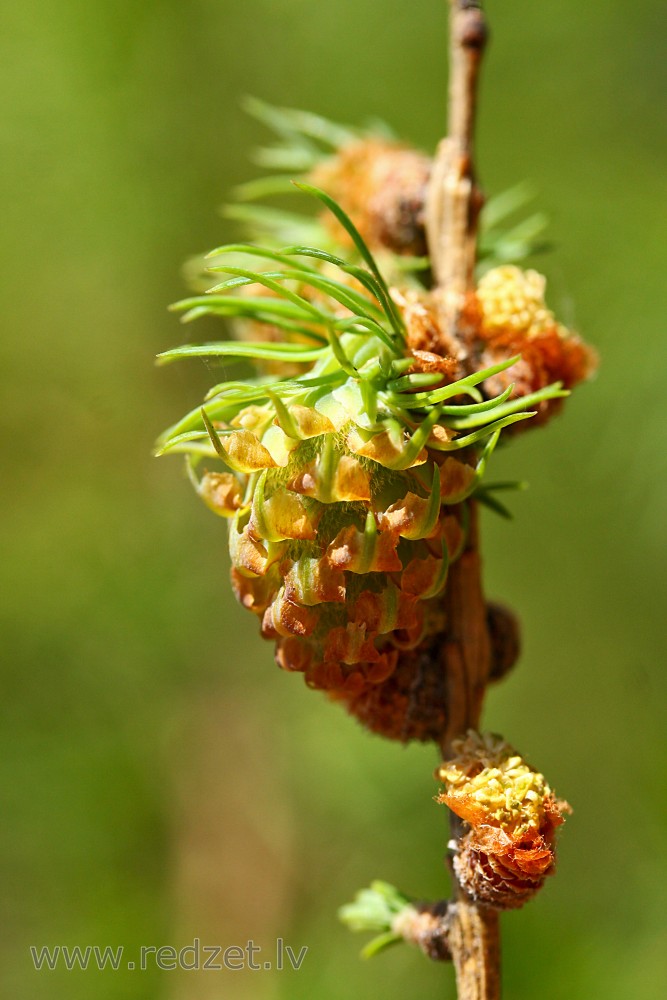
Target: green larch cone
(346,487)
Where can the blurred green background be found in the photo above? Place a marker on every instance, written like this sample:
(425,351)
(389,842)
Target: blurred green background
(161,779)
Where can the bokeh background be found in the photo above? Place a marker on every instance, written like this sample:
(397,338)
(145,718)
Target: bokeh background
(161,779)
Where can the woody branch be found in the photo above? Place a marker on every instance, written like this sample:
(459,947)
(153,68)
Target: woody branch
(469,932)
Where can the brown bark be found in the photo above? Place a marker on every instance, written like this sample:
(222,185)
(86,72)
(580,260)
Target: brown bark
(473,930)
(474,941)
(453,199)
(467,652)
(462,932)
(453,205)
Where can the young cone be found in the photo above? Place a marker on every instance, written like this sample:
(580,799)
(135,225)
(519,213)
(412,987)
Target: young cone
(345,487)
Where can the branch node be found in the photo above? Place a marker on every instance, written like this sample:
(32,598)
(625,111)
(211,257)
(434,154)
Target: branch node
(473,32)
